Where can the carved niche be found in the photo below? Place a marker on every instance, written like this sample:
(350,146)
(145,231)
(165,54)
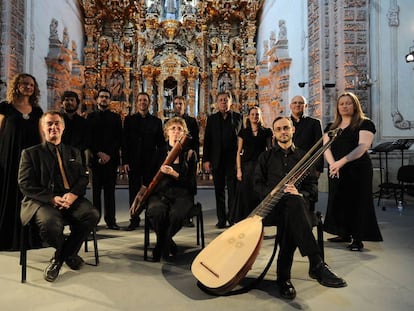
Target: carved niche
(65,72)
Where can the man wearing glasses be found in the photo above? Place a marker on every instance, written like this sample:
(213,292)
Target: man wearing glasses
(290,214)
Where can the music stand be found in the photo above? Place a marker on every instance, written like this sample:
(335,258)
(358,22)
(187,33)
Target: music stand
(400,144)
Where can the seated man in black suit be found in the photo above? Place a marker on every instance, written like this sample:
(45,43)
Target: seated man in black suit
(53,182)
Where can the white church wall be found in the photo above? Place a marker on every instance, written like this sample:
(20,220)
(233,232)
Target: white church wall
(40,14)
(392,35)
(294,12)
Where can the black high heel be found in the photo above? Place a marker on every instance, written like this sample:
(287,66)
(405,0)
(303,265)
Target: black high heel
(356,246)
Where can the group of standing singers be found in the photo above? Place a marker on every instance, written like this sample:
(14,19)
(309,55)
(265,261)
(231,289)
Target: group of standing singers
(239,158)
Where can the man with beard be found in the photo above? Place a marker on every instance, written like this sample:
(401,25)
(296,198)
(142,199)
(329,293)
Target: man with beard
(290,214)
(143,149)
(106,129)
(77,132)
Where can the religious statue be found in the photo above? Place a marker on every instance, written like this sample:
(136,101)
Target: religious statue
(393,14)
(225,83)
(116,85)
(282,30)
(53,30)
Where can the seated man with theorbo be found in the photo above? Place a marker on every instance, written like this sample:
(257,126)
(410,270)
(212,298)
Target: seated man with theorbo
(291,214)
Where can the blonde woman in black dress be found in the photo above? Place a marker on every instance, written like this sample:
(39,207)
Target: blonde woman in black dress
(350,214)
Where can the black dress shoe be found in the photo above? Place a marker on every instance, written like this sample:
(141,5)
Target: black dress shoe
(356,246)
(326,276)
(74,262)
(286,289)
(173,248)
(112,227)
(220,225)
(52,270)
(340,239)
(133,224)
(188,222)
(169,251)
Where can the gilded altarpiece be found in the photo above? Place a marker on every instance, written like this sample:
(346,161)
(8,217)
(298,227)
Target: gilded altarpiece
(167,48)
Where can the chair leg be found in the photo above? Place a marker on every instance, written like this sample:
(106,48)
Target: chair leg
(23,253)
(95,246)
(198,228)
(146,237)
(86,245)
(319,229)
(200,225)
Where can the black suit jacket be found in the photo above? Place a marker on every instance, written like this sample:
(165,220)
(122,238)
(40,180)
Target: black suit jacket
(143,147)
(106,128)
(308,131)
(36,174)
(212,148)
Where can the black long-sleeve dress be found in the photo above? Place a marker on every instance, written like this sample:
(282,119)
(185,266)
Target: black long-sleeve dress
(16,134)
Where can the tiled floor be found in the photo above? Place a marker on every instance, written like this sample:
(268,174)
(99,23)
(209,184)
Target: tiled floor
(379,278)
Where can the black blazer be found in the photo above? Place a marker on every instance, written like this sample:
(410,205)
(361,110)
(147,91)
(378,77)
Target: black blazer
(212,148)
(106,128)
(143,143)
(36,172)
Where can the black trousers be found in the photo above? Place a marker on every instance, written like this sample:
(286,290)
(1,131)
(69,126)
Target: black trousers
(292,218)
(104,178)
(82,217)
(167,213)
(224,175)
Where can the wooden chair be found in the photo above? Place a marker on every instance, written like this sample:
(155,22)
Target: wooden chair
(24,247)
(194,212)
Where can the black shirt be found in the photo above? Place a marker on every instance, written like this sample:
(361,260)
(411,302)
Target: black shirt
(274,164)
